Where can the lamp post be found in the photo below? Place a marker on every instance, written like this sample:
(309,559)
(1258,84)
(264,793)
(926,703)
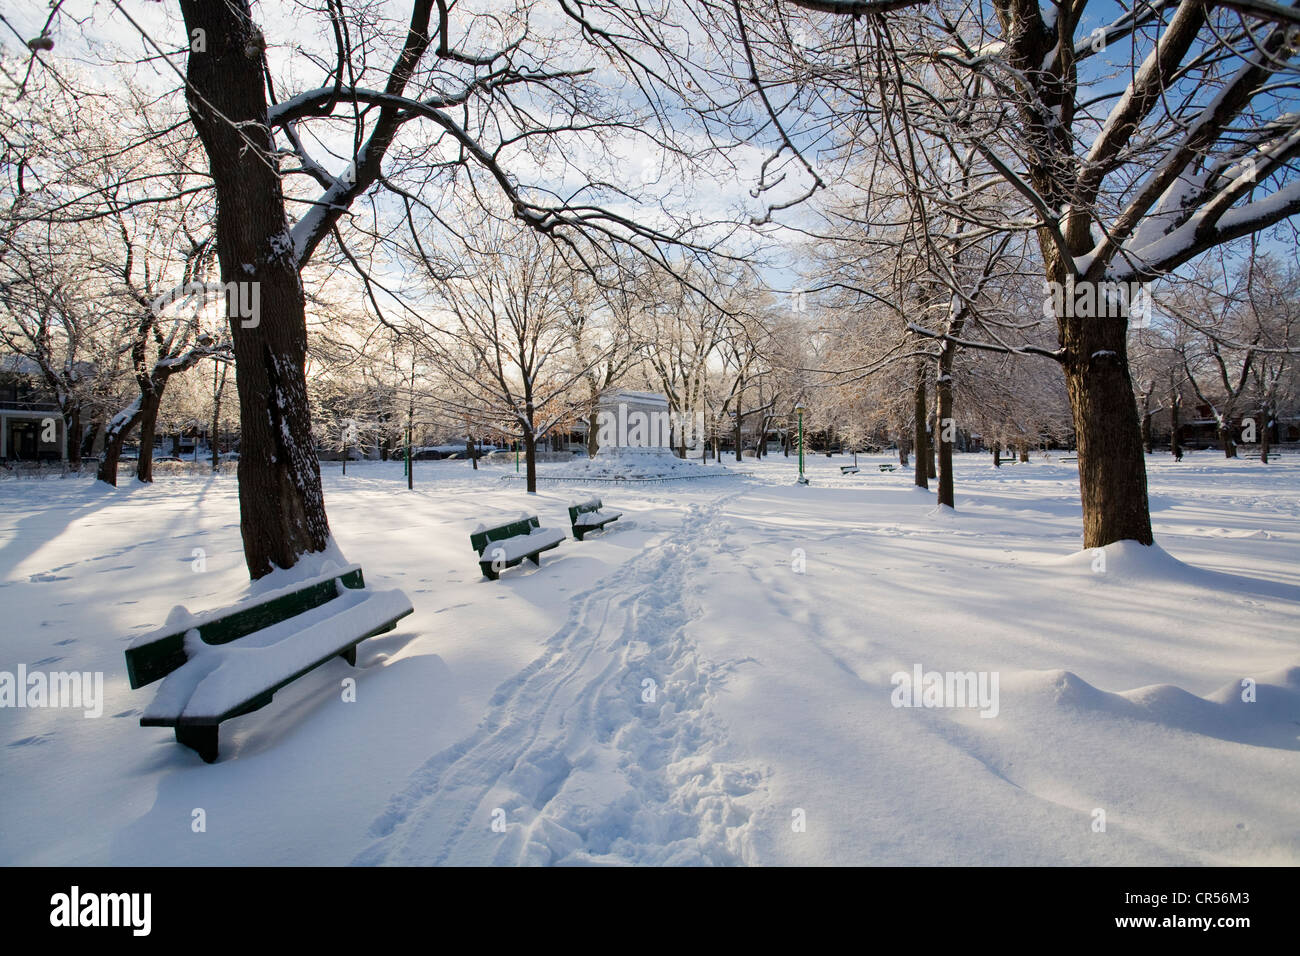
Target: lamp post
(799,408)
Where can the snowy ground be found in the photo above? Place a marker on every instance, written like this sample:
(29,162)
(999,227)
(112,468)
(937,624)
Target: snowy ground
(769,619)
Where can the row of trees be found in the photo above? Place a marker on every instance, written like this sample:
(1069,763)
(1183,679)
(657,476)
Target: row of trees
(522,201)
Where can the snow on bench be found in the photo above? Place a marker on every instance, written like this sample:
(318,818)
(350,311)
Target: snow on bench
(586,516)
(226,663)
(507,545)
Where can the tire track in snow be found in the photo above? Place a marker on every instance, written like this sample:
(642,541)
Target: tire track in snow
(571,762)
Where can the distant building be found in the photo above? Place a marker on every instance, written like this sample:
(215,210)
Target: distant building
(31,425)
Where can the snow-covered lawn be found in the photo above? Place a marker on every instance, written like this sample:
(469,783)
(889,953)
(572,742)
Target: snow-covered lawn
(710,680)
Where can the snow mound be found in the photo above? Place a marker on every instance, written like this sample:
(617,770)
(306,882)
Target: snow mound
(1128,562)
(636,468)
(1262,709)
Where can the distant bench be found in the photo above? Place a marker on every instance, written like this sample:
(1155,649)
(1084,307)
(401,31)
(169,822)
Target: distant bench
(887,467)
(586,516)
(848,469)
(507,545)
(227,663)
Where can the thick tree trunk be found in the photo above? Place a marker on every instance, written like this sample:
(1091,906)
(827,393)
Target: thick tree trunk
(1024,454)
(593,443)
(997,455)
(736,438)
(469,451)
(282,510)
(921,440)
(1112,468)
(902,451)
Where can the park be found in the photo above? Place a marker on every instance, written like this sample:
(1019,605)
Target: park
(813,433)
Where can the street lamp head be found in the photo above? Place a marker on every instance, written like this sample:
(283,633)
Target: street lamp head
(800,407)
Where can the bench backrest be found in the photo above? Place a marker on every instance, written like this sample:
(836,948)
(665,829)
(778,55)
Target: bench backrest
(481,539)
(162,655)
(582,508)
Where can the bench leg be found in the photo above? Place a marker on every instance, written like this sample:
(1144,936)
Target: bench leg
(201,739)
(489,572)
(350,655)
(536,559)
(578,533)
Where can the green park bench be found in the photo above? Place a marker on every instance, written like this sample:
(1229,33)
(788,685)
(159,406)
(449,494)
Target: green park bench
(887,467)
(507,545)
(585,516)
(227,663)
(848,469)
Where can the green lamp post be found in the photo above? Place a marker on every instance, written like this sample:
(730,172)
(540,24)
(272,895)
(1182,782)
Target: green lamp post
(800,408)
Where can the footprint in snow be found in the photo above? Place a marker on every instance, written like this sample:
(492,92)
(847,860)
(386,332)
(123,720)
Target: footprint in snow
(43,578)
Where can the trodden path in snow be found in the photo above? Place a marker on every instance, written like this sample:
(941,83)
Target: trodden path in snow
(604,749)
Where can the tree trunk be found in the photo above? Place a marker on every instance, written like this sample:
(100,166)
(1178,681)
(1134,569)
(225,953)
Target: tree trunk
(114,439)
(469,450)
(997,454)
(931,469)
(530,460)
(593,443)
(1024,453)
(282,509)
(1226,440)
(1264,436)
(943,416)
(72,437)
(919,411)
(1112,468)
(1175,427)
(902,451)
(149,403)
(736,438)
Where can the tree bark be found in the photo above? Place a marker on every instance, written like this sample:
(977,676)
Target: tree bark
(1024,453)
(943,414)
(1175,427)
(149,403)
(72,436)
(997,455)
(114,439)
(1266,425)
(530,459)
(1226,440)
(282,509)
(1112,468)
(921,440)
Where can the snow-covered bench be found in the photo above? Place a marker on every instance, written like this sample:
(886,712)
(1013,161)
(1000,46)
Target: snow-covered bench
(586,516)
(507,545)
(887,467)
(848,469)
(227,663)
